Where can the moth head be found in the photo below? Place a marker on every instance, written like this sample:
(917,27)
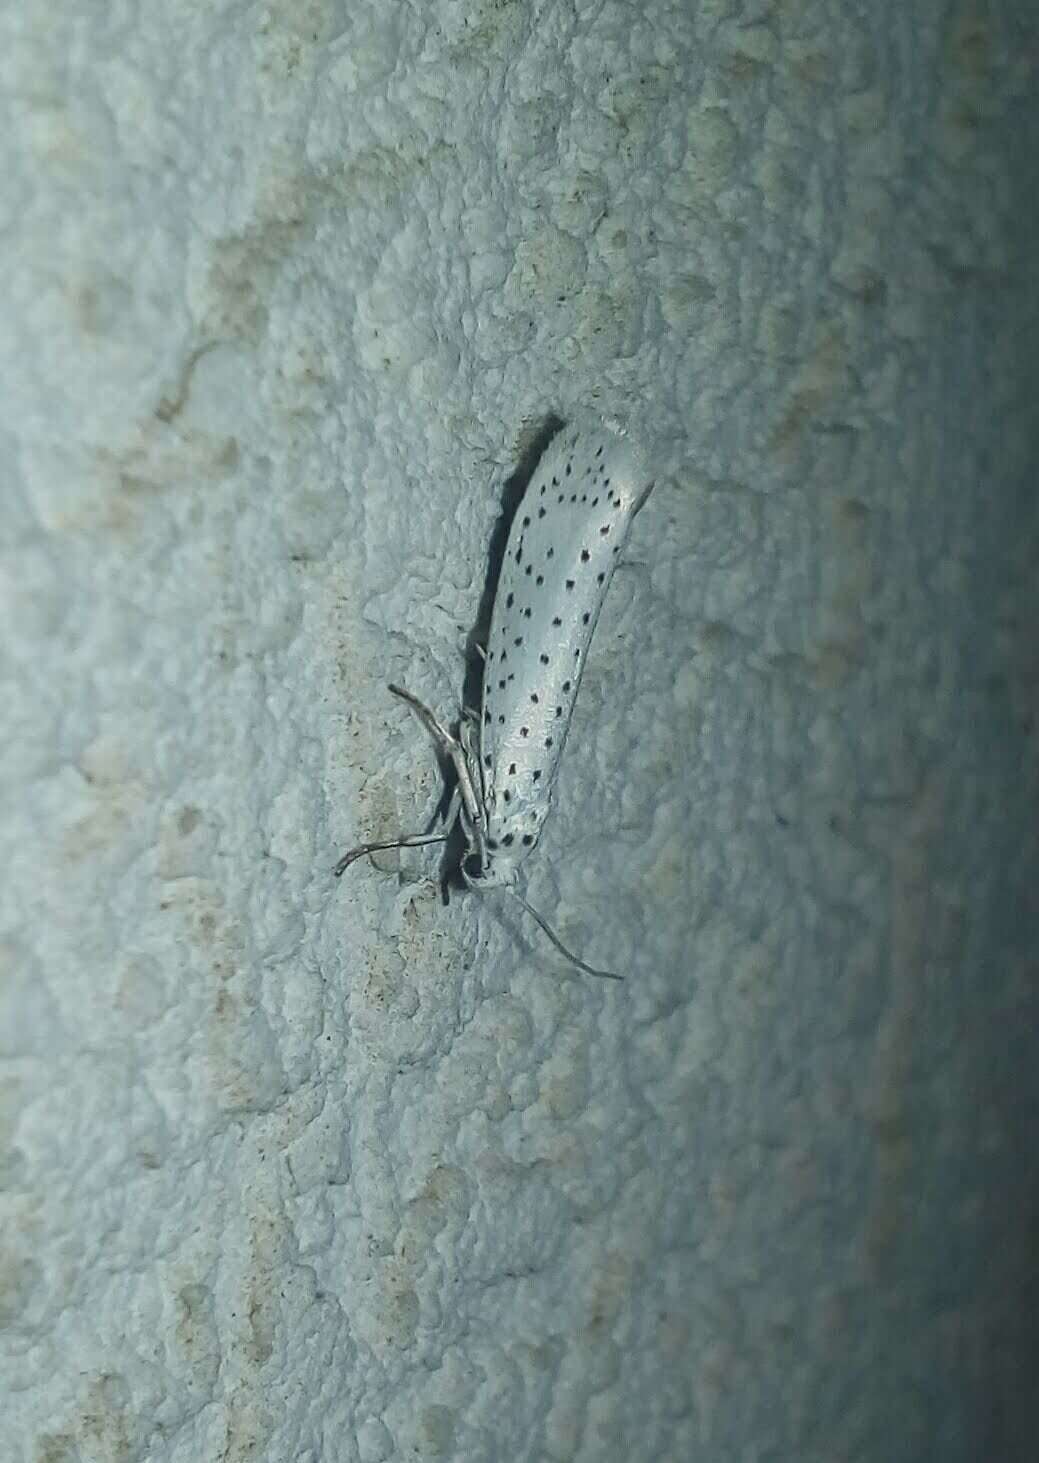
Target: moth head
(498,863)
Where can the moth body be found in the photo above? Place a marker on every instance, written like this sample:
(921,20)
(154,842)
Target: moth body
(563,546)
(567,535)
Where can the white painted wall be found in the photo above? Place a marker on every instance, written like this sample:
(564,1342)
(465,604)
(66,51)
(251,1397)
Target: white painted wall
(316,1173)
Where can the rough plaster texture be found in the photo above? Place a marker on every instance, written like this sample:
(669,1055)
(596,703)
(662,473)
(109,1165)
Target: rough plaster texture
(300,1172)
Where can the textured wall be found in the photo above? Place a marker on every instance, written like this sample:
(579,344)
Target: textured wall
(316,1173)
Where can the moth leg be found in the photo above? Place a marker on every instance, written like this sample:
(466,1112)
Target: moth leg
(469,738)
(453,808)
(473,786)
(445,743)
(469,789)
(449,748)
(414,840)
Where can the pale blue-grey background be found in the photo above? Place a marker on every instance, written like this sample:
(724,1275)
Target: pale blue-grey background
(310,1173)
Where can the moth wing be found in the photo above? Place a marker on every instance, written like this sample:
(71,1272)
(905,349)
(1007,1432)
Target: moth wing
(562,549)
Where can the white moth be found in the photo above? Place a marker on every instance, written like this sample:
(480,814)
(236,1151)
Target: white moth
(562,548)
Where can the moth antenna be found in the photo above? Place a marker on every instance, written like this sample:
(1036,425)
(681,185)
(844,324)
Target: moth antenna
(557,942)
(416,840)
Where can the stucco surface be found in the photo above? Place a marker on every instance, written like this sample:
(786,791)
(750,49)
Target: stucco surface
(317,1173)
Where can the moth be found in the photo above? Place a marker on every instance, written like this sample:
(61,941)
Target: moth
(562,548)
